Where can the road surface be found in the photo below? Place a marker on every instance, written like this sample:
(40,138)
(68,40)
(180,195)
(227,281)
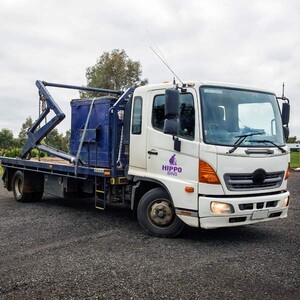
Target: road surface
(58,249)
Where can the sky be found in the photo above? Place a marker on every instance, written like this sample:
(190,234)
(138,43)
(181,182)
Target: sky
(255,43)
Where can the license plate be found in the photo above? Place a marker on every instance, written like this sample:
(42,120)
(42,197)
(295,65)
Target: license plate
(261,214)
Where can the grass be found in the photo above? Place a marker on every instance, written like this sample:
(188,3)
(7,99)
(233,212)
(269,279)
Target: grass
(295,159)
(1,170)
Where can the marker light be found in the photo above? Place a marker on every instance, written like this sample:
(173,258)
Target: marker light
(186,213)
(189,189)
(207,174)
(221,208)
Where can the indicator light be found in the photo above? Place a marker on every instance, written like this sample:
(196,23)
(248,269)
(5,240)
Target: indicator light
(207,174)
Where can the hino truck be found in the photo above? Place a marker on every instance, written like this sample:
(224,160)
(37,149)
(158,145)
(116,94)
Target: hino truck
(204,154)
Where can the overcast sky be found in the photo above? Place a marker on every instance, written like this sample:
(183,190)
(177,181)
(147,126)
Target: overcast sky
(255,42)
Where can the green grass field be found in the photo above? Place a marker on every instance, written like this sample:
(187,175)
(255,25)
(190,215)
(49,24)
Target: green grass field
(295,159)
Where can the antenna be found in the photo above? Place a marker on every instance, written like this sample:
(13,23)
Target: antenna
(165,63)
(283,97)
(156,46)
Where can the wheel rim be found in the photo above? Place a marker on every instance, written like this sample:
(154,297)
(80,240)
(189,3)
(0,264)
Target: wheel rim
(18,187)
(161,213)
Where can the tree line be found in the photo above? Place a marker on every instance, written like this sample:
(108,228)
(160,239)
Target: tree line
(293,140)
(11,146)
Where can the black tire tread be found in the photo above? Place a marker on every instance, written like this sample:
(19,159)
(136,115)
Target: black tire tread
(172,231)
(24,197)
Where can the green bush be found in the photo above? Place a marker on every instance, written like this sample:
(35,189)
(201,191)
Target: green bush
(14,152)
(38,153)
(11,152)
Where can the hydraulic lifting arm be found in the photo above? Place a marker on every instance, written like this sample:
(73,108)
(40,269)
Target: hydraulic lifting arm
(35,136)
(36,133)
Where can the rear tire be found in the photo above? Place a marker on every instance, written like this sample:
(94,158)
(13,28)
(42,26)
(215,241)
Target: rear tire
(18,189)
(156,214)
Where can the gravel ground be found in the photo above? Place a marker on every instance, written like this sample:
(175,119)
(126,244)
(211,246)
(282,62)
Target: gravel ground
(58,249)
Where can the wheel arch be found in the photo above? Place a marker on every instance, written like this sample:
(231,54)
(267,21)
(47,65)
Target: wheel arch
(33,181)
(142,186)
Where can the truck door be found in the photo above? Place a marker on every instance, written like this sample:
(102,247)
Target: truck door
(138,136)
(175,169)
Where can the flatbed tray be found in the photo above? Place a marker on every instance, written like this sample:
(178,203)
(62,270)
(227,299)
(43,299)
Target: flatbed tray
(56,166)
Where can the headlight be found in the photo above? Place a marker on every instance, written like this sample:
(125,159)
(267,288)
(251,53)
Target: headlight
(221,208)
(286,201)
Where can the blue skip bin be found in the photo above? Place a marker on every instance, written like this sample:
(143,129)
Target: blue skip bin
(97,146)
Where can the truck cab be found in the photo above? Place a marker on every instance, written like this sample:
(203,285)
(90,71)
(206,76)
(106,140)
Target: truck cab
(225,164)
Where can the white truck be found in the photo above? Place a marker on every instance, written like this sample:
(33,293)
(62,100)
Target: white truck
(204,154)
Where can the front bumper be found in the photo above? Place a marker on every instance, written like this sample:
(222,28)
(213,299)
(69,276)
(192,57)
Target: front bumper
(247,210)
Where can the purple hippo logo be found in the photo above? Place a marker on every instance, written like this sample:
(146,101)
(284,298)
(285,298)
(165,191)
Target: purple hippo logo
(173,160)
(172,169)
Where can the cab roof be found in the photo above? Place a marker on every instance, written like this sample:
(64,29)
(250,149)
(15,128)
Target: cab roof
(197,84)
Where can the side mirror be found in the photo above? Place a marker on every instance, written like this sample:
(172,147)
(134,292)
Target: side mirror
(285,114)
(172,111)
(171,126)
(286,132)
(172,104)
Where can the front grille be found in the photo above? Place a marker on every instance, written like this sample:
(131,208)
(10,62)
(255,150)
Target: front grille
(243,182)
(259,205)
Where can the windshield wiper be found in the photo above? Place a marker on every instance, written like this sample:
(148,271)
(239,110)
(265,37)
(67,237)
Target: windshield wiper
(241,138)
(268,141)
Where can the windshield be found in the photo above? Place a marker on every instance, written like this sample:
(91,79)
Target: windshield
(229,113)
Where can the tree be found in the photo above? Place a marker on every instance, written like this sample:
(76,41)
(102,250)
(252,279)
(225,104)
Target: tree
(114,70)
(57,140)
(6,139)
(66,141)
(292,140)
(23,131)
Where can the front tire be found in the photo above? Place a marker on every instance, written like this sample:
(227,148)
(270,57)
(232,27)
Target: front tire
(156,214)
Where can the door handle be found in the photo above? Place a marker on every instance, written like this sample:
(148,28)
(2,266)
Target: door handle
(152,152)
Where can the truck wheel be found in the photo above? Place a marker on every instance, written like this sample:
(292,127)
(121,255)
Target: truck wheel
(156,214)
(18,188)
